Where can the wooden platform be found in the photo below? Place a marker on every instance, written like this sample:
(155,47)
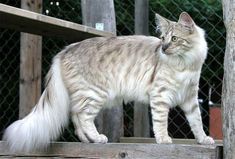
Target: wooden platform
(152,140)
(121,150)
(30,22)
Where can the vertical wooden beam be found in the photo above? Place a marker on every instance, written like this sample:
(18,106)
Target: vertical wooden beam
(228,92)
(142,17)
(30,63)
(141,116)
(100,14)
(141,120)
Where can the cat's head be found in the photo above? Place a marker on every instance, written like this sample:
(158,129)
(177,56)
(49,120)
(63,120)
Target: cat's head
(182,37)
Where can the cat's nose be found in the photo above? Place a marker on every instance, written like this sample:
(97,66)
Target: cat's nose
(165,46)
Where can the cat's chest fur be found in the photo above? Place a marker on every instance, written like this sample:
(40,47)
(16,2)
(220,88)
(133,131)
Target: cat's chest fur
(180,85)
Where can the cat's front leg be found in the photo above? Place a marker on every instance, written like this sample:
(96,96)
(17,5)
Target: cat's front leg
(160,110)
(193,115)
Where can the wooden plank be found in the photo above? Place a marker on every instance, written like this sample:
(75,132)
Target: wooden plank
(101,14)
(30,22)
(121,150)
(30,64)
(152,140)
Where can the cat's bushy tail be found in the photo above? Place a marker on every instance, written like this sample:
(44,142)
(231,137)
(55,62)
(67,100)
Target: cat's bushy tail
(46,119)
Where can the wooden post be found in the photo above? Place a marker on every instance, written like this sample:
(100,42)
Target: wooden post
(100,14)
(141,116)
(141,120)
(228,92)
(142,17)
(30,63)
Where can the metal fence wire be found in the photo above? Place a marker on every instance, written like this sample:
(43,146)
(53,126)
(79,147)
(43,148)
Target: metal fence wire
(206,13)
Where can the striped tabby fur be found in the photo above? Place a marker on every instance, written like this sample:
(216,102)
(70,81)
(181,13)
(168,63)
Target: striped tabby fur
(97,72)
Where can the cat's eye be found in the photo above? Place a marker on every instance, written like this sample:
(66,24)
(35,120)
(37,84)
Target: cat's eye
(174,38)
(163,38)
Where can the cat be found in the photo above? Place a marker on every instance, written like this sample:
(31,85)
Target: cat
(90,75)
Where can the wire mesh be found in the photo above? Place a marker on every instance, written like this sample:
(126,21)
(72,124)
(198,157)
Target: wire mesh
(206,13)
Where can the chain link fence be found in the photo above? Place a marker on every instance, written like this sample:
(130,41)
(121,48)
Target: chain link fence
(206,13)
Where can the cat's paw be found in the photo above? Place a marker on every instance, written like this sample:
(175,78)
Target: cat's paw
(207,140)
(164,140)
(101,139)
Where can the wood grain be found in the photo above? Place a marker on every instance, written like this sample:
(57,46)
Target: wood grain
(141,120)
(228,92)
(30,64)
(121,150)
(153,140)
(141,116)
(30,22)
(142,17)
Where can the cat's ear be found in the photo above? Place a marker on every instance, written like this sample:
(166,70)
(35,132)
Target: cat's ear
(186,21)
(162,25)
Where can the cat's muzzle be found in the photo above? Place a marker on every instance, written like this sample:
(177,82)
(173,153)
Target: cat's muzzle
(165,46)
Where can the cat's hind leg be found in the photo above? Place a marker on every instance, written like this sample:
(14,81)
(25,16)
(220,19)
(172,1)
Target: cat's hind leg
(83,114)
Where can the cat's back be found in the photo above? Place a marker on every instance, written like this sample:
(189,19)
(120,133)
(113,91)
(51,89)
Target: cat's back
(121,64)
(111,56)
(92,47)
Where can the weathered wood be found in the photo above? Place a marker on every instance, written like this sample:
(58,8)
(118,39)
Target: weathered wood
(142,17)
(141,116)
(30,72)
(30,64)
(141,120)
(122,150)
(100,13)
(153,140)
(228,92)
(110,123)
(30,22)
